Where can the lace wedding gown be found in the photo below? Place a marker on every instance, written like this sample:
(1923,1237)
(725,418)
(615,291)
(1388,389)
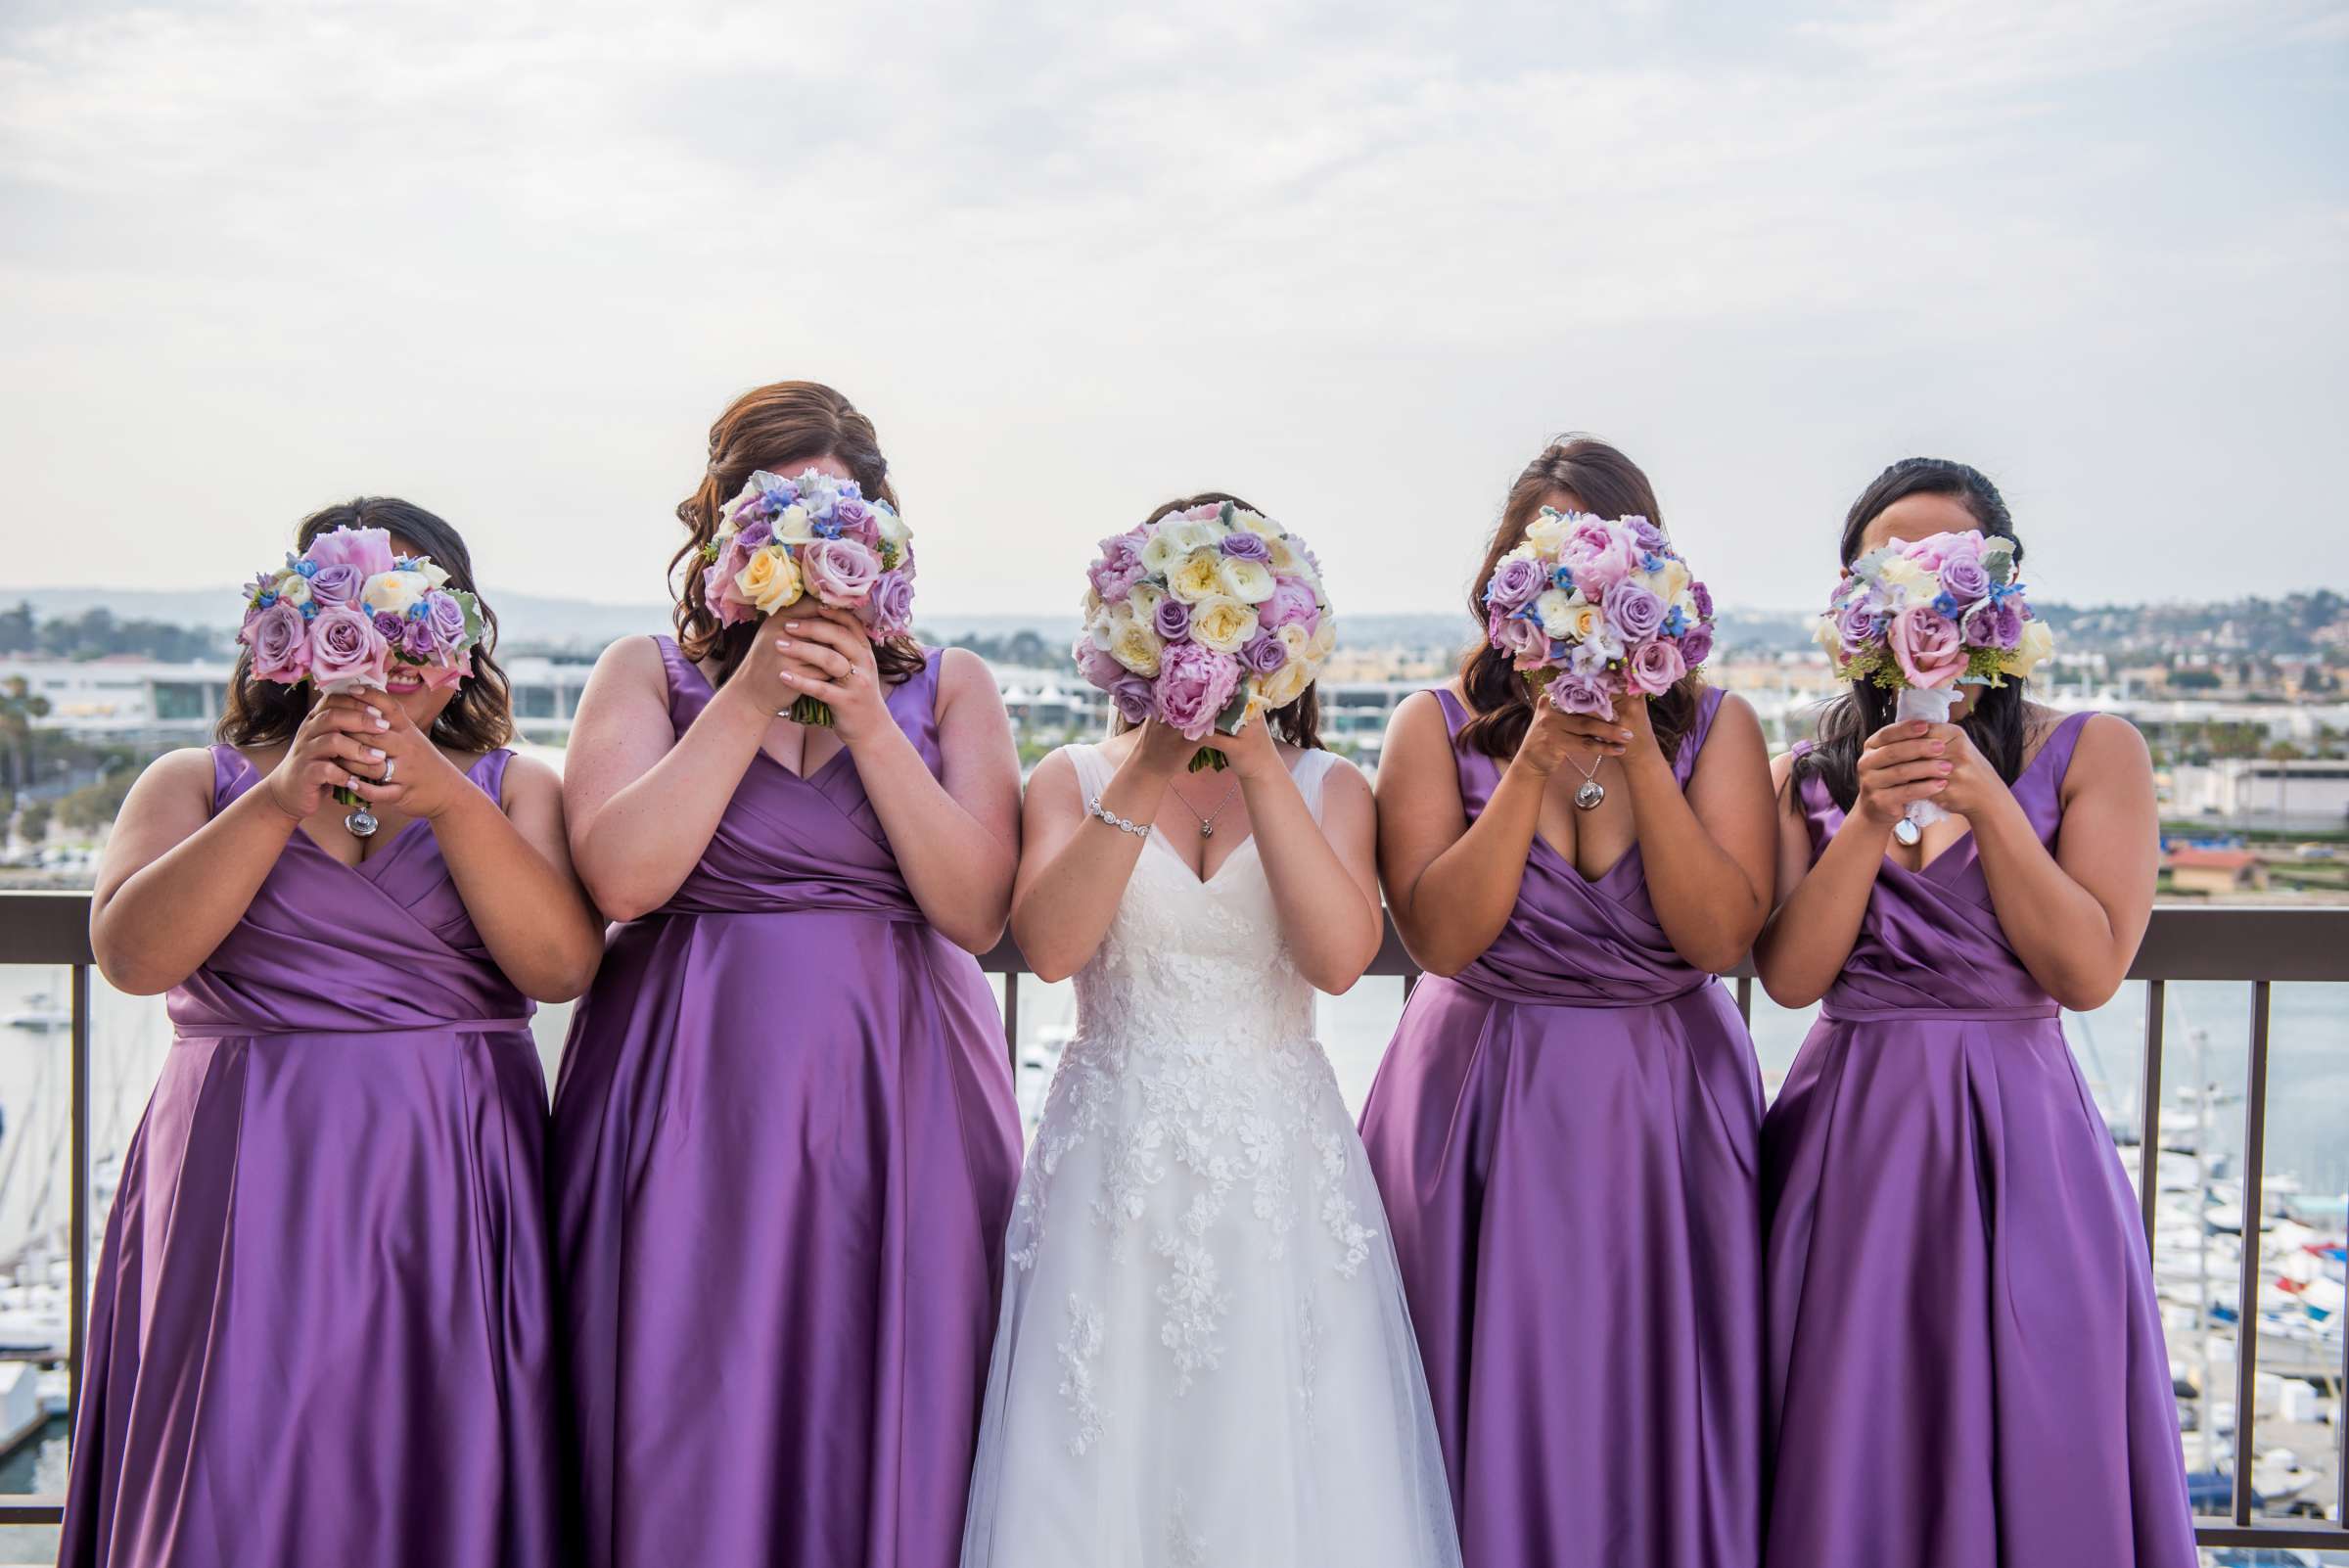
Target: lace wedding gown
(1204,1355)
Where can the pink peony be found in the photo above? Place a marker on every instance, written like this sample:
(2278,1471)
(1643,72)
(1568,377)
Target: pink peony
(367,549)
(1292,604)
(1927,646)
(1195,684)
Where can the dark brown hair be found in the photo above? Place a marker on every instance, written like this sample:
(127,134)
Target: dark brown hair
(1601,480)
(1998,719)
(781,429)
(479,718)
(1300,721)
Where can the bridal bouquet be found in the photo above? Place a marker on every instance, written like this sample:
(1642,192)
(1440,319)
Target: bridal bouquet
(1595,608)
(782,540)
(1924,618)
(344,612)
(1204,619)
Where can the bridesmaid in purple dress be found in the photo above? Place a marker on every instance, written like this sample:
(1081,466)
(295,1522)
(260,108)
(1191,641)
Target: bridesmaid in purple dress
(1564,1128)
(1966,1367)
(785,1138)
(323,1330)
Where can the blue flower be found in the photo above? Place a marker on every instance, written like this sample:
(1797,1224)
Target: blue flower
(309,610)
(1675,623)
(826,528)
(419,610)
(1564,579)
(308,568)
(268,597)
(1947,606)
(1651,562)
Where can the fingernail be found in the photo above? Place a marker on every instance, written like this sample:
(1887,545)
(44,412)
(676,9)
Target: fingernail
(374,754)
(782,642)
(791,625)
(1945,767)
(383,723)
(1939,747)
(371,707)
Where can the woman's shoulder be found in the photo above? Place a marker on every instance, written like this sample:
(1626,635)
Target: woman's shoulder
(961,671)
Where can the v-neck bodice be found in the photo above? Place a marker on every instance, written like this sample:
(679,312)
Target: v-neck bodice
(392,931)
(790,841)
(1579,941)
(1931,938)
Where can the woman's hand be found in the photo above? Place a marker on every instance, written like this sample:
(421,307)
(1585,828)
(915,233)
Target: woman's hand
(825,654)
(1251,754)
(1973,786)
(1901,763)
(1553,735)
(412,775)
(339,738)
(1163,750)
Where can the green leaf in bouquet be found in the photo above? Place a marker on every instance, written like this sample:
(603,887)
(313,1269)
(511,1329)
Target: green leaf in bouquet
(476,628)
(1228,720)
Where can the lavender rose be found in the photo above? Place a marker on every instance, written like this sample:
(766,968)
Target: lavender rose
(1515,583)
(447,618)
(839,572)
(1524,641)
(346,652)
(1927,646)
(1094,664)
(389,627)
(1963,578)
(1633,611)
(889,611)
(1702,597)
(1171,620)
(1570,693)
(853,518)
(339,583)
(1649,536)
(1654,667)
(280,640)
(1263,654)
(1194,686)
(1992,625)
(416,640)
(1696,645)
(1242,545)
(1131,694)
(1858,626)
(754,536)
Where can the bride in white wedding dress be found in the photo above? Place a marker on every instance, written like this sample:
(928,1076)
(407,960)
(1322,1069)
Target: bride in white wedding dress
(1203,1355)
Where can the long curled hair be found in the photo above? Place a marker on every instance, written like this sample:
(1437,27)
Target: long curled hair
(782,429)
(1601,480)
(1999,718)
(1299,723)
(479,718)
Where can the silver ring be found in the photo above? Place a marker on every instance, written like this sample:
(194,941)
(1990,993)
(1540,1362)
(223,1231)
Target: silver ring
(387,778)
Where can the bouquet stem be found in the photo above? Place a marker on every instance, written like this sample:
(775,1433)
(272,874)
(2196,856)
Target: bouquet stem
(812,712)
(1932,703)
(1207,756)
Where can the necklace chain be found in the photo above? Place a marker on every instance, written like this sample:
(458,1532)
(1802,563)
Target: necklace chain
(1207,822)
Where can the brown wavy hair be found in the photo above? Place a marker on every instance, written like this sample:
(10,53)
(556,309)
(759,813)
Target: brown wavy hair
(1601,480)
(479,718)
(780,428)
(1300,721)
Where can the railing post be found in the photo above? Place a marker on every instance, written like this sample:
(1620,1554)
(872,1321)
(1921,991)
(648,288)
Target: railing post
(2246,1314)
(78,1203)
(1745,1000)
(2148,1100)
(1011,1022)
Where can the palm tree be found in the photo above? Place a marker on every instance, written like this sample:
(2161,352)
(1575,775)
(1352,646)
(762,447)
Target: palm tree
(19,706)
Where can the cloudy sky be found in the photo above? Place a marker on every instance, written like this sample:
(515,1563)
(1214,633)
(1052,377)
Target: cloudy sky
(510,258)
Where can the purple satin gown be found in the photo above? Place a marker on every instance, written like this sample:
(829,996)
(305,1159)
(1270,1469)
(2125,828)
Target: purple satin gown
(1565,1136)
(1966,1367)
(323,1327)
(785,1152)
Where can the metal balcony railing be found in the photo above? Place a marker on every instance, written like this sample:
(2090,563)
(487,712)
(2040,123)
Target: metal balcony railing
(2259,946)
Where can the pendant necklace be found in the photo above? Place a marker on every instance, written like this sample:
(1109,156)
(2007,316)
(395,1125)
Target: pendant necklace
(1593,791)
(1207,823)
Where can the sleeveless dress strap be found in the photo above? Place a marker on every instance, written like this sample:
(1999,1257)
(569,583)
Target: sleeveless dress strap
(489,773)
(1312,774)
(1700,728)
(688,687)
(229,768)
(2064,742)
(1456,712)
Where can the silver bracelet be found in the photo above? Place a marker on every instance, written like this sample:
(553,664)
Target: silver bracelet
(1095,807)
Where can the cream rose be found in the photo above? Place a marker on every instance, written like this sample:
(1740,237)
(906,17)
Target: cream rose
(794,525)
(1162,550)
(1324,639)
(392,592)
(1295,638)
(1565,616)
(1143,602)
(1222,623)
(1257,524)
(1828,638)
(1196,576)
(770,580)
(1133,644)
(433,576)
(1902,573)
(1286,685)
(2037,643)
(1548,532)
(294,590)
(1249,581)
(1667,581)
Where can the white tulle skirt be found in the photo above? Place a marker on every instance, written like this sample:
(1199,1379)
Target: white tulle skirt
(1204,1355)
